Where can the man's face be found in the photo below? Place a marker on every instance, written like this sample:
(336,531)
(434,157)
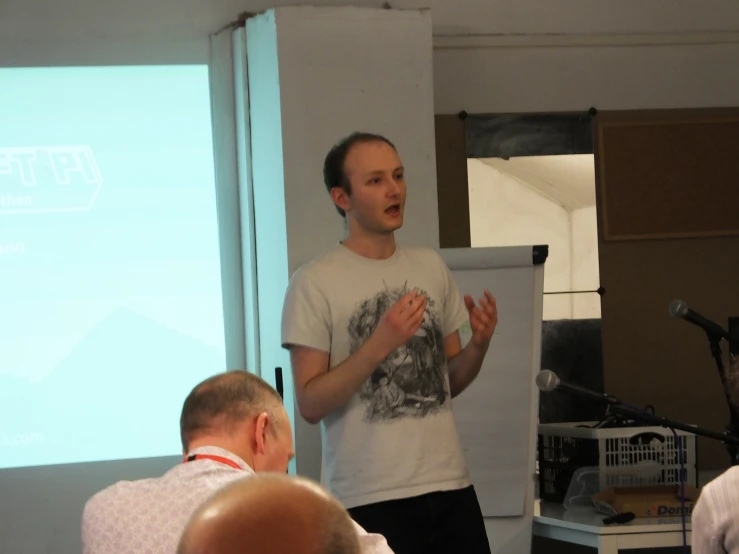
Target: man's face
(377,198)
(276,447)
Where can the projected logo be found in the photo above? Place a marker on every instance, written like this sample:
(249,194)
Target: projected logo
(48,179)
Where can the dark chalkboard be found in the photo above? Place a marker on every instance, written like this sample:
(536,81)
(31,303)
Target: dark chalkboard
(512,135)
(571,348)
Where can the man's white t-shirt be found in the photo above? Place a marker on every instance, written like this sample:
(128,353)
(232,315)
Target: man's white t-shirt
(397,436)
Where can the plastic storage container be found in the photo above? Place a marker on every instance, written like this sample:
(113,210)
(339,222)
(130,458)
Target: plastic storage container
(563,448)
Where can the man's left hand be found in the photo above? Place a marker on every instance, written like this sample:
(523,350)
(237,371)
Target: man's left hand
(483,318)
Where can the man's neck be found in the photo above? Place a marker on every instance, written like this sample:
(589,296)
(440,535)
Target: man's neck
(225,443)
(376,247)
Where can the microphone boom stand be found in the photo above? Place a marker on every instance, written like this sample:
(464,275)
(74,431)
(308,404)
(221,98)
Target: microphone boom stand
(624,410)
(617,407)
(714,341)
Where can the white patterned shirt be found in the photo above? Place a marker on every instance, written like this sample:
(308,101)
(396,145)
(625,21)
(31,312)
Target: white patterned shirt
(149,515)
(715,518)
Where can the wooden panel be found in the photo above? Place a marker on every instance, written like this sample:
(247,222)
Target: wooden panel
(648,356)
(451,179)
(668,174)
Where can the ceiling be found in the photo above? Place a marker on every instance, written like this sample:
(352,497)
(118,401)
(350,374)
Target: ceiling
(567,180)
(44,32)
(110,18)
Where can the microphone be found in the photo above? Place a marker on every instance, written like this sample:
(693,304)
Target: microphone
(680,309)
(548,381)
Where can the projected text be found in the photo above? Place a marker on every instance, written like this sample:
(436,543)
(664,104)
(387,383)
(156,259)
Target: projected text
(24,439)
(47,179)
(15,201)
(7,248)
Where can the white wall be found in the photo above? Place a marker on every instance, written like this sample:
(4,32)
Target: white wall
(542,79)
(585,269)
(506,211)
(336,79)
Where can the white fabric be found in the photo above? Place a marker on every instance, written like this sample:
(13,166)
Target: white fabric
(397,437)
(715,518)
(149,515)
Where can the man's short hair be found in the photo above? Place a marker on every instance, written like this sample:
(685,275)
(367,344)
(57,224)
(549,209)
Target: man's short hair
(334,174)
(224,399)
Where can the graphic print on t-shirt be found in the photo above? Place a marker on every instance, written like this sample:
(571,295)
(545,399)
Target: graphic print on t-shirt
(410,382)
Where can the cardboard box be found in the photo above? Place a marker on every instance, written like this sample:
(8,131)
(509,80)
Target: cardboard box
(646,501)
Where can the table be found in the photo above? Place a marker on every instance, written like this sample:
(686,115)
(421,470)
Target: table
(585,526)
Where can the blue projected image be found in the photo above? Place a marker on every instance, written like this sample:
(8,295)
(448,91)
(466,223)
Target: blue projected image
(109,260)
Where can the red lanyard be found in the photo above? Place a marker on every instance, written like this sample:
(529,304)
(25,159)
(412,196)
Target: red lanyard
(219,459)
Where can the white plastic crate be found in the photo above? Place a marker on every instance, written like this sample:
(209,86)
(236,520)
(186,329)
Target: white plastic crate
(563,448)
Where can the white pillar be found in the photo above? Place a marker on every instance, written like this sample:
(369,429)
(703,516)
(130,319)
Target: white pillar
(225,155)
(316,75)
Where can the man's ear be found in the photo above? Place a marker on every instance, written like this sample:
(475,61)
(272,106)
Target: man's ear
(262,424)
(341,198)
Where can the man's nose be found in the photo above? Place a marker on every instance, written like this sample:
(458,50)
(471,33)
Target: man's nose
(394,187)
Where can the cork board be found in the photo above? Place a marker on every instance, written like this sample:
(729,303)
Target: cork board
(668,174)
(648,356)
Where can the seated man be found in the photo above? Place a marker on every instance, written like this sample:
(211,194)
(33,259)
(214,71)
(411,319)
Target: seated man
(271,514)
(232,425)
(714,518)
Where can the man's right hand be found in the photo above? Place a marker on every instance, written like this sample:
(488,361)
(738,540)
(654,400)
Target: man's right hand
(400,322)
(321,392)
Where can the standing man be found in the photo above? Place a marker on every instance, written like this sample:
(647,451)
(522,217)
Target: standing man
(373,333)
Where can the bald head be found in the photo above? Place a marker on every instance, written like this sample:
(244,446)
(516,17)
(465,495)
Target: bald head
(270,513)
(224,399)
